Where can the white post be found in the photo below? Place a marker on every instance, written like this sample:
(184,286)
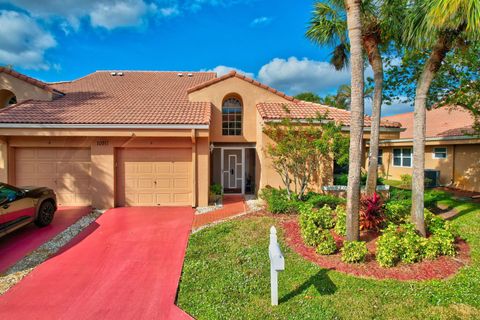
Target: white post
(277,263)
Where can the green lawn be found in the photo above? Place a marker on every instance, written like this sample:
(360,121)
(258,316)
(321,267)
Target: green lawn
(226,276)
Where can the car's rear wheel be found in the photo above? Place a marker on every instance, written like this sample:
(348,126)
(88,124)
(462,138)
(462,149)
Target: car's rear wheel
(45,214)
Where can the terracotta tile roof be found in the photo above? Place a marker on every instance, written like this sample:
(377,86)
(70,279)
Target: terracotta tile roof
(137,97)
(232,74)
(445,121)
(30,80)
(306,110)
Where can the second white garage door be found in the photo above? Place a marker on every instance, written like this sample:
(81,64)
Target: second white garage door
(154,177)
(65,170)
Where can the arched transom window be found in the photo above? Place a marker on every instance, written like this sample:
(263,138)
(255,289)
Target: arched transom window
(232,117)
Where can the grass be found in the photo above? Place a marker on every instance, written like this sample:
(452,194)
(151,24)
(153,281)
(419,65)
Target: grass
(226,276)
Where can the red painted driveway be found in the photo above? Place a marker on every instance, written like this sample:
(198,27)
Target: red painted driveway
(125,266)
(18,244)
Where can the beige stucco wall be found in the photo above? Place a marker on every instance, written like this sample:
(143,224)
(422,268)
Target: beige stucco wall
(23,90)
(467,167)
(103,157)
(250,94)
(3,161)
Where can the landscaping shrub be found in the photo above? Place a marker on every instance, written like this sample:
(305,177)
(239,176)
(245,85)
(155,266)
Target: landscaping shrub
(371,213)
(445,242)
(354,251)
(313,221)
(320,200)
(398,211)
(216,189)
(412,244)
(400,194)
(326,243)
(388,247)
(406,181)
(341,221)
(278,201)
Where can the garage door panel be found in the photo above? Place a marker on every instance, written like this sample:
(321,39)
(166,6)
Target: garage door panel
(154,177)
(66,170)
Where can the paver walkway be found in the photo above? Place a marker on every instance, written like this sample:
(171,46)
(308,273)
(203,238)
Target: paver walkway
(232,205)
(126,265)
(16,245)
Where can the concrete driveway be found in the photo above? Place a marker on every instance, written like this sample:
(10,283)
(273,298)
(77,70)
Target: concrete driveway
(16,245)
(126,265)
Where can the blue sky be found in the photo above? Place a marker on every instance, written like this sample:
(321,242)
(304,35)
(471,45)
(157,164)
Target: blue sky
(65,39)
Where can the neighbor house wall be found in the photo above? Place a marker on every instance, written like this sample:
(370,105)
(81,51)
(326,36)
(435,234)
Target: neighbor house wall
(467,167)
(23,90)
(445,166)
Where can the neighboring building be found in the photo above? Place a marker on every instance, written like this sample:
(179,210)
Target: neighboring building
(130,138)
(451,148)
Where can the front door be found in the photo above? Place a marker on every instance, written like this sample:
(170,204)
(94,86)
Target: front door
(232,171)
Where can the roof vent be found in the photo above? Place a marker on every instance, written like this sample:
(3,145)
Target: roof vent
(180,74)
(113,74)
(190,74)
(120,74)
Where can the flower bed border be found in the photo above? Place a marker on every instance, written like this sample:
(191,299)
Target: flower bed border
(440,268)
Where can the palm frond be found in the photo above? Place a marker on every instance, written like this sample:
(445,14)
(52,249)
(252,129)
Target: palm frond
(340,56)
(328,25)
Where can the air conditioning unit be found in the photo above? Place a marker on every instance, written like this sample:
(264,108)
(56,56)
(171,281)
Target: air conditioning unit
(432,178)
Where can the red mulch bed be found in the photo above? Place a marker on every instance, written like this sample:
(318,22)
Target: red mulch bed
(440,268)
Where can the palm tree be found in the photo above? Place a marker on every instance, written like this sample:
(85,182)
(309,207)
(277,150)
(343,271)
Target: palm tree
(437,25)
(381,21)
(354,23)
(342,98)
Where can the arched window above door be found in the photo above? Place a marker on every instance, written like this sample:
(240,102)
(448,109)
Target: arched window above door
(232,110)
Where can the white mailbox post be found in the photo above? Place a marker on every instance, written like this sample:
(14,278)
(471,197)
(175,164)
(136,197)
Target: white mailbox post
(277,263)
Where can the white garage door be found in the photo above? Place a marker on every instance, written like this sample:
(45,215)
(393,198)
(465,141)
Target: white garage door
(65,170)
(154,177)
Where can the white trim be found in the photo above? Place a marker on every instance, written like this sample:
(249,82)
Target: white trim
(222,165)
(434,152)
(100,126)
(473,137)
(401,157)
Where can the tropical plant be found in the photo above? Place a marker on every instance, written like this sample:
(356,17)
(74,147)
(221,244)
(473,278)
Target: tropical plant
(278,201)
(300,148)
(372,215)
(381,24)
(326,243)
(341,100)
(437,26)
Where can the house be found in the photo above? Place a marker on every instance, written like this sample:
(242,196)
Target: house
(139,138)
(451,148)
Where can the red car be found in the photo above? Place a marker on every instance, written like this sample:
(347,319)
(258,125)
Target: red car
(21,206)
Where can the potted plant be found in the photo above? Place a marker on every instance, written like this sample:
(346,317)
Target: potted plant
(216,194)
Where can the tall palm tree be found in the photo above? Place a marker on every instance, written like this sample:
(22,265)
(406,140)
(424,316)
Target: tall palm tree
(382,20)
(354,24)
(437,25)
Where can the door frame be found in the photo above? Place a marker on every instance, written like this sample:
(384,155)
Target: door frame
(222,169)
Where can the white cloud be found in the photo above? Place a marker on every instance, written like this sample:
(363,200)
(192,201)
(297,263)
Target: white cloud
(222,70)
(119,14)
(169,11)
(107,14)
(260,21)
(294,75)
(23,42)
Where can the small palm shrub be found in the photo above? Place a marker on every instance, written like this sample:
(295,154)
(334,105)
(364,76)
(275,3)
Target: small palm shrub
(313,221)
(371,214)
(326,243)
(354,251)
(341,221)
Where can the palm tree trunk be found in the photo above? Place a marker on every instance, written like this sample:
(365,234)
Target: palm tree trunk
(371,46)
(356,121)
(433,64)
